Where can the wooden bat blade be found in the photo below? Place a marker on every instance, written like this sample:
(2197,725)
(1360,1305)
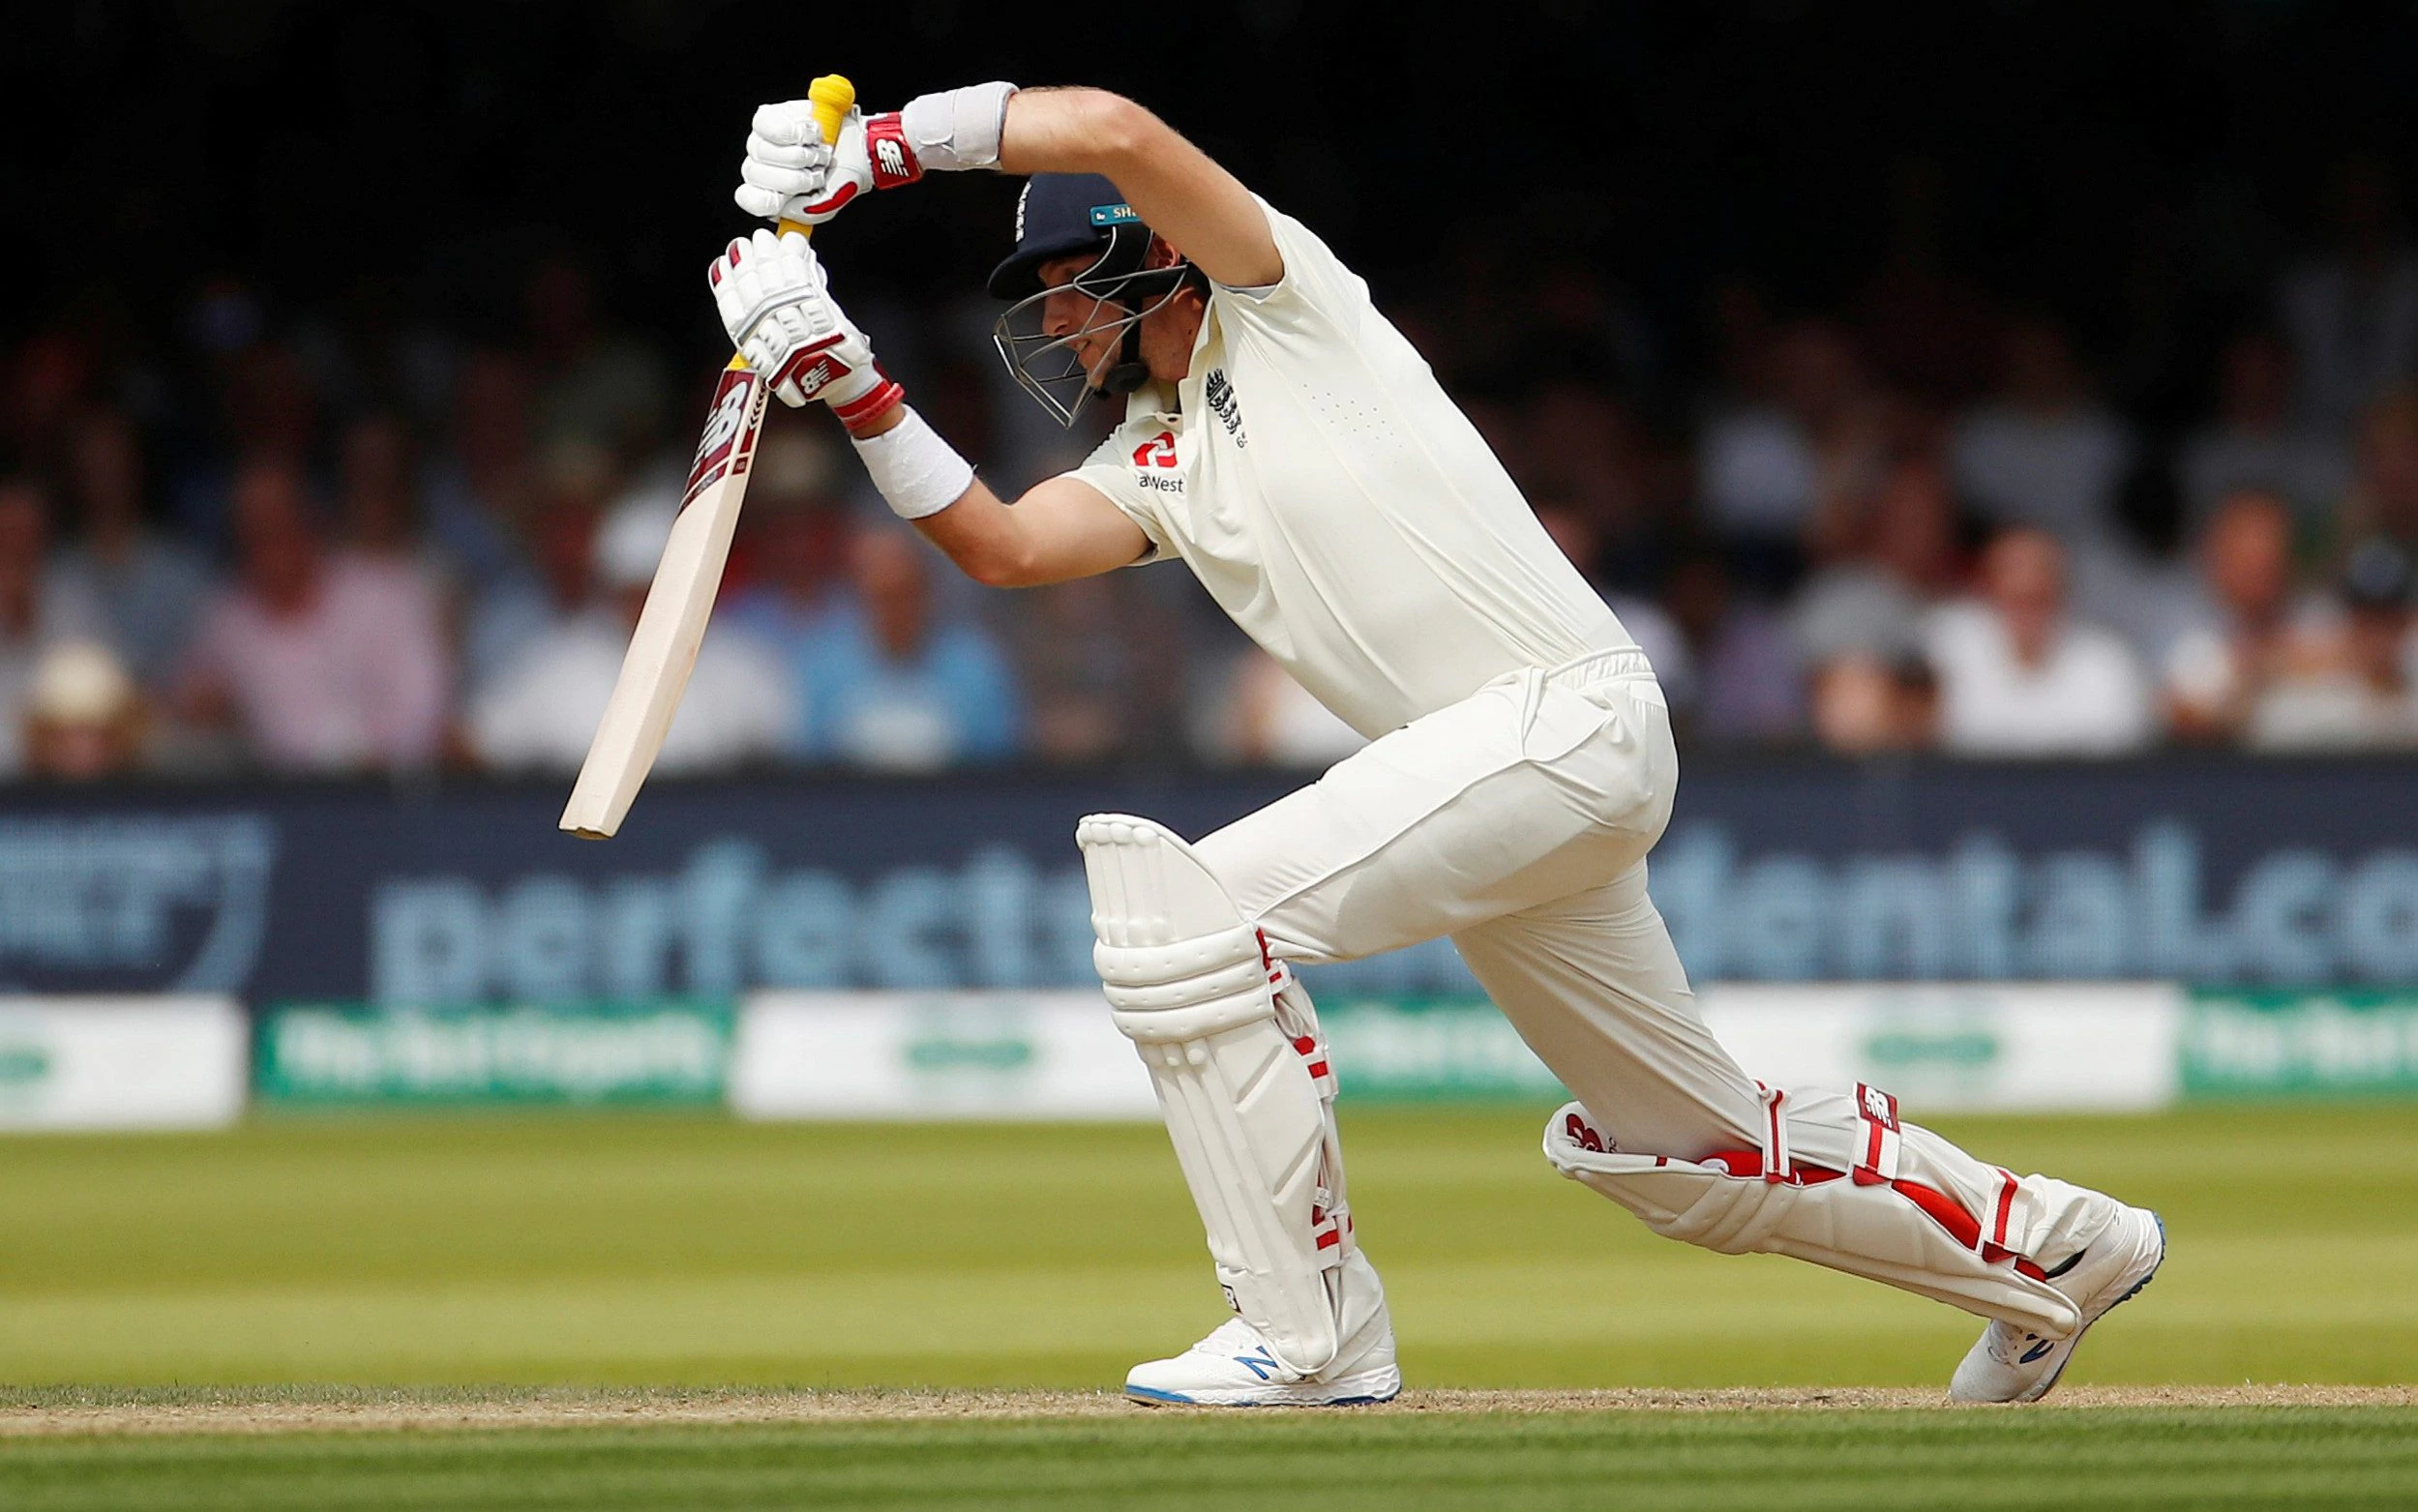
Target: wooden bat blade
(671,627)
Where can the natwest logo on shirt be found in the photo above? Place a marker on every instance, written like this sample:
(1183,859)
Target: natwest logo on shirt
(1159,451)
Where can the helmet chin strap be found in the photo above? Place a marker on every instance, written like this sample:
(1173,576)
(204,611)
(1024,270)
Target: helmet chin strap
(1130,371)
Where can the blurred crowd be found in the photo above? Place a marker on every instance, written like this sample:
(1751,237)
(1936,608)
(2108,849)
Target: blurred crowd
(345,542)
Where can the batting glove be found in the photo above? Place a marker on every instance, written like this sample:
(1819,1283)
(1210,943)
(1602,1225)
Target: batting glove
(792,174)
(776,302)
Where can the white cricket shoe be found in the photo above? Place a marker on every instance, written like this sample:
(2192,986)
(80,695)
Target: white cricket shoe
(1234,1367)
(2011,1365)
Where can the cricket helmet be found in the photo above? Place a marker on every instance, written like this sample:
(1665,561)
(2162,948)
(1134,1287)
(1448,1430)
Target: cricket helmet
(1062,215)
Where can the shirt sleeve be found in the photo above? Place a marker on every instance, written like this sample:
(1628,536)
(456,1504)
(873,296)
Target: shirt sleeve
(1316,290)
(1112,473)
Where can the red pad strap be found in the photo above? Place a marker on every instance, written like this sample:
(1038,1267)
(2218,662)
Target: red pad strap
(1877,1154)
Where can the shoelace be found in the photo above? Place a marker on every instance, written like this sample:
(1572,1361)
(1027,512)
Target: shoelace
(2007,1344)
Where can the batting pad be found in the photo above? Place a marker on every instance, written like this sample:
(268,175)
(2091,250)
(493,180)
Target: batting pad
(1888,1229)
(1190,984)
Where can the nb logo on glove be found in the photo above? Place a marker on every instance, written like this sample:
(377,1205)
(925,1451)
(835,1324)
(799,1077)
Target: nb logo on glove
(821,371)
(886,153)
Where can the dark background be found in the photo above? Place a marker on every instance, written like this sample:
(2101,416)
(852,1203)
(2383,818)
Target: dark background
(2137,168)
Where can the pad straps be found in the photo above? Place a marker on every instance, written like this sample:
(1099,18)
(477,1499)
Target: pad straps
(1877,1154)
(1330,1215)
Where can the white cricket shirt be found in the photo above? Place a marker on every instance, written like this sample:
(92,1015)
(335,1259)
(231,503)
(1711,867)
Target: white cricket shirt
(1311,472)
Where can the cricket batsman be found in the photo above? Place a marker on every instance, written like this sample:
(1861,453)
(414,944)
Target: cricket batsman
(1286,442)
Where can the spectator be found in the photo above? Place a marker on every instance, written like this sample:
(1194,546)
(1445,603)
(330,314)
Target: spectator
(1581,450)
(2253,443)
(2018,678)
(269,414)
(1764,469)
(36,610)
(379,512)
(2352,314)
(2251,634)
(1863,705)
(1899,556)
(323,667)
(1102,665)
(2364,696)
(522,605)
(540,710)
(1746,684)
(1654,631)
(83,714)
(886,687)
(481,492)
(2384,499)
(2044,453)
(40,385)
(795,537)
(150,587)
(595,385)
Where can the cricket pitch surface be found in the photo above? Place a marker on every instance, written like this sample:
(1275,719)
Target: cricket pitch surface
(52,1411)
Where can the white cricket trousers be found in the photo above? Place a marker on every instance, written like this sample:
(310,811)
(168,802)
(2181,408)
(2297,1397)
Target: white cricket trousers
(1517,821)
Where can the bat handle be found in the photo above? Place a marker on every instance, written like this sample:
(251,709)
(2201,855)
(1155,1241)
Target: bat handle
(834,97)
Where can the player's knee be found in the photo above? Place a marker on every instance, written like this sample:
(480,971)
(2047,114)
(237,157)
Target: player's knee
(1177,957)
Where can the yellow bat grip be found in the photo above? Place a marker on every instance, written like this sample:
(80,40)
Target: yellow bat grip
(833,96)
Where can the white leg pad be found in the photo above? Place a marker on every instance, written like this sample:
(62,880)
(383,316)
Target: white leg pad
(1189,983)
(1862,1223)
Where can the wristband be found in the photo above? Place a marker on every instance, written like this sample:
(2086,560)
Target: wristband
(915,471)
(958,127)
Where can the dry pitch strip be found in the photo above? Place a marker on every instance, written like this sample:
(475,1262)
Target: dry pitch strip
(69,1411)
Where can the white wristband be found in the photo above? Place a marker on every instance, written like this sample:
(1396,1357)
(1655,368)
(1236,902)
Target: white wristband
(959,128)
(916,472)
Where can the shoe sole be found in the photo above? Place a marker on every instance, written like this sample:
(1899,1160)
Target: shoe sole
(1357,1392)
(2075,1344)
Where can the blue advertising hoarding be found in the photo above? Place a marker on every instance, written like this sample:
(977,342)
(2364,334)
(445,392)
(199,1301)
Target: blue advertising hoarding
(2215,872)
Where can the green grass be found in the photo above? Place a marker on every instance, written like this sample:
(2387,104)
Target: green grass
(1802,1461)
(668,1251)
(688,1249)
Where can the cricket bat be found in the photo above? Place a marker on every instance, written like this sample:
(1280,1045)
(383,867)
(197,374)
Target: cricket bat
(663,648)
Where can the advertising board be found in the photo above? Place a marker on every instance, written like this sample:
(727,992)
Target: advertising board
(2225,873)
(356,1055)
(122,1062)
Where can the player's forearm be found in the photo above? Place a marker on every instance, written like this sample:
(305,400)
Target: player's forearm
(980,534)
(1061,528)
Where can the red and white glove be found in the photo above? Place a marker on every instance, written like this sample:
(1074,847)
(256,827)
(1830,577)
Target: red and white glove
(775,301)
(792,174)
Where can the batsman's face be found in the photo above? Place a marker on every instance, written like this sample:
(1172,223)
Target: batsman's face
(1068,311)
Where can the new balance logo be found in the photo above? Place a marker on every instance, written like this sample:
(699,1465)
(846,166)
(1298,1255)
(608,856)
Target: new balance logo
(886,153)
(825,371)
(2037,1350)
(1581,1135)
(1259,1362)
(1879,1107)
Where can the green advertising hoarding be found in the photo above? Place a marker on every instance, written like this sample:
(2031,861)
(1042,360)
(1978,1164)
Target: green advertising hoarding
(2292,1042)
(665,1051)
